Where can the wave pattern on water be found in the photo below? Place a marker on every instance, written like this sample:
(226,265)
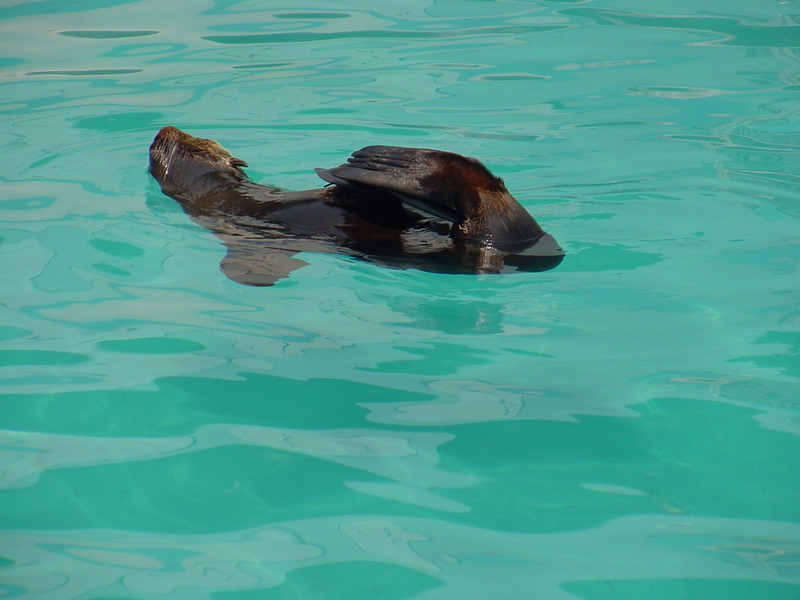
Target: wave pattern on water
(467,561)
(623,426)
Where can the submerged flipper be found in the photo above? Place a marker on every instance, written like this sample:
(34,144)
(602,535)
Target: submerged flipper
(254,257)
(252,264)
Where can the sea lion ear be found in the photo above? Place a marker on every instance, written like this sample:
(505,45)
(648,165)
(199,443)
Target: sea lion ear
(238,162)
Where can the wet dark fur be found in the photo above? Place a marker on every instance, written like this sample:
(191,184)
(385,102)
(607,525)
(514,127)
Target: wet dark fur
(401,207)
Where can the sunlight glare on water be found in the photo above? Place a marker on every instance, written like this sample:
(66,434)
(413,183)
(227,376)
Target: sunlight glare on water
(625,426)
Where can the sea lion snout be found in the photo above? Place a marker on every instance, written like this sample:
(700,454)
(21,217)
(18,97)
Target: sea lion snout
(162,152)
(178,160)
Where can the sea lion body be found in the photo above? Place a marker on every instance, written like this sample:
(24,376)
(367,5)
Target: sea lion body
(402,207)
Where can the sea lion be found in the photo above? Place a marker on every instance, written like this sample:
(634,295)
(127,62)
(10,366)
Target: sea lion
(401,207)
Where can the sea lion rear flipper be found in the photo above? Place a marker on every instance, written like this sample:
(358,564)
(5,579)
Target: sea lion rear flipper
(439,183)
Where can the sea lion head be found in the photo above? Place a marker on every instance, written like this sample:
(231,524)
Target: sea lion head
(182,163)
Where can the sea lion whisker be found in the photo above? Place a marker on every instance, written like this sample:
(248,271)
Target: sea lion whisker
(170,157)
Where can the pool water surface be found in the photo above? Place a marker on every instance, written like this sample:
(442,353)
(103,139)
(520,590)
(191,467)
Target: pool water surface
(624,426)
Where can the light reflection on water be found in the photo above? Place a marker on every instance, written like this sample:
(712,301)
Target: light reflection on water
(631,416)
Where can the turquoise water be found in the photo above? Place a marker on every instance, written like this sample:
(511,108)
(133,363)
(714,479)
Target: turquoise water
(626,426)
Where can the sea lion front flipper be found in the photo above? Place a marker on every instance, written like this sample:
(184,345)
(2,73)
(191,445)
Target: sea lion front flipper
(250,262)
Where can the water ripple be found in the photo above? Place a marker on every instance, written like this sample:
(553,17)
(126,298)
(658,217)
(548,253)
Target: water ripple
(472,562)
(308,37)
(728,31)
